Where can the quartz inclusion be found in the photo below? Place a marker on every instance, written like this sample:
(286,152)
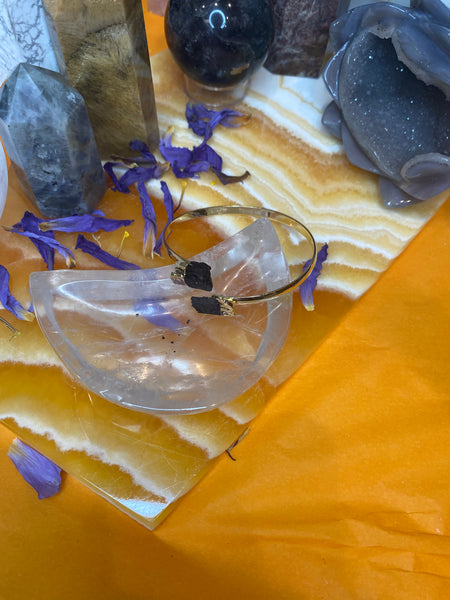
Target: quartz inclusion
(48,136)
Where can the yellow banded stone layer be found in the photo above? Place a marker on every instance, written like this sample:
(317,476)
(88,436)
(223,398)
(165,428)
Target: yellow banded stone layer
(144,464)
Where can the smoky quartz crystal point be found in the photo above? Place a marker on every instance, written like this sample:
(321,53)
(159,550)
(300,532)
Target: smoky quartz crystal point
(104,44)
(300,36)
(46,131)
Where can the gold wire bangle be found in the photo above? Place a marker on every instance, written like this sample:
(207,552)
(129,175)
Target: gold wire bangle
(224,305)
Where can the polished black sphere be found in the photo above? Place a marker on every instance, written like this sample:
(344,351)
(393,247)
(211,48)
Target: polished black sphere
(219,43)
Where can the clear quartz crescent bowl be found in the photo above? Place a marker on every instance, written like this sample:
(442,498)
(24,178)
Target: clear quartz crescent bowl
(133,337)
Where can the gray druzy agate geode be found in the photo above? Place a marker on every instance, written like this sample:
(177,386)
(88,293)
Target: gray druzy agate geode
(390,83)
(46,131)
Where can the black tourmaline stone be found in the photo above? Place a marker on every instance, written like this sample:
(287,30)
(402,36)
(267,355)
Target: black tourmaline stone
(46,131)
(198,275)
(219,43)
(207,305)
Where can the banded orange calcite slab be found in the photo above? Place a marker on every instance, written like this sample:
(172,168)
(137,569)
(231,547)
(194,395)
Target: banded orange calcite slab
(298,168)
(144,463)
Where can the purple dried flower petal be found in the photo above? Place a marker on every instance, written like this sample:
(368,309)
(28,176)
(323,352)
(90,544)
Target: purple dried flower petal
(30,222)
(128,178)
(142,147)
(37,470)
(43,240)
(178,157)
(184,162)
(105,257)
(146,158)
(156,314)
(228,118)
(227,179)
(168,204)
(204,153)
(168,201)
(134,174)
(203,121)
(108,167)
(148,212)
(49,241)
(208,155)
(89,223)
(191,171)
(139,175)
(307,287)
(145,167)
(8,301)
(189,163)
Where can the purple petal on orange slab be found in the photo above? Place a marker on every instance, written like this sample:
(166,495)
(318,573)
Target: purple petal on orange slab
(37,470)
(8,301)
(307,287)
(30,222)
(89,223)
(168,204)
(102,255)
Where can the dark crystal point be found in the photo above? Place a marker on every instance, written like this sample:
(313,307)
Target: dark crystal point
(198,275)
(207,305)
(301,36)
(46,131)
(219,43)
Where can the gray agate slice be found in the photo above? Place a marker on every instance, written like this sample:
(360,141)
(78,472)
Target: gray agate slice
(390,83)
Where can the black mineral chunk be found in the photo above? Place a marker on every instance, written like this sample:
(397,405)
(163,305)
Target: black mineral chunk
(206,305)
(198,276)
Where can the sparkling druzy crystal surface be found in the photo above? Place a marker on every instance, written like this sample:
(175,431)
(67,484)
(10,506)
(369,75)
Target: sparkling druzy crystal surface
(219,43)
(390,83)
(47,134)
(375,88)
(105,48)
(27,34)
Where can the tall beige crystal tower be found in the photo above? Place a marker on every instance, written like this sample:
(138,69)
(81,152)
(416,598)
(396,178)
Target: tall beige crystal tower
(104,45)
